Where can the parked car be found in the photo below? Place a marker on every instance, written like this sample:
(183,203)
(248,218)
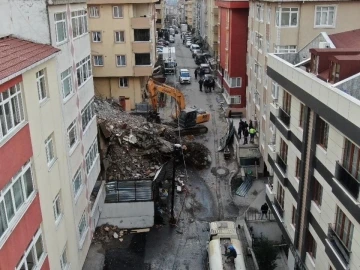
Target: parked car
(200,59)
(194,46)
(206,68)
(188,43)
(184,76)
(172,39)
(195,52)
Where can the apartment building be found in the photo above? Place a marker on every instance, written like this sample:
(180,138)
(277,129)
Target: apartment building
(159,18)
(232,35)
(315,155)
(284,27)
(57,97)
(189,13)
(212,30)
(122,39)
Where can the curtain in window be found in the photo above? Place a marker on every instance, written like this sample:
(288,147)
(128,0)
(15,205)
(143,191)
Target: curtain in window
(3,222)
(18,193)
(29,188)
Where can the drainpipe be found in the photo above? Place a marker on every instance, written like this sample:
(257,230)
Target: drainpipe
(47,3)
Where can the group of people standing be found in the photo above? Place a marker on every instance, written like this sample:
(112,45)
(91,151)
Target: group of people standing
(202,82)
(247,129)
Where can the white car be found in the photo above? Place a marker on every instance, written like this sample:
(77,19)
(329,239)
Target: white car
(172,39)
(188,43)
(184,76)
(194,47)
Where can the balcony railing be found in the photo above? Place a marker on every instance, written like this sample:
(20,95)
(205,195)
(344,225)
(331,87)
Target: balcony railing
(278,207)
(284,117)
(342,250)
(281,163)
(348,181)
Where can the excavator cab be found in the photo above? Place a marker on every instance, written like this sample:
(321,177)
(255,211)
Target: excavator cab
(187,118)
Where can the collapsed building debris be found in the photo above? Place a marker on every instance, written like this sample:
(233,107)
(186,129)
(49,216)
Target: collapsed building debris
(132,148)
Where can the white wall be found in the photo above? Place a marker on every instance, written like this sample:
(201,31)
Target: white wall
(128,215)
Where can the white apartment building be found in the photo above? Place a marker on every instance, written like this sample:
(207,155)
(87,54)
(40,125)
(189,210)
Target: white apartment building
(284,27)
(315,151)
(63,126)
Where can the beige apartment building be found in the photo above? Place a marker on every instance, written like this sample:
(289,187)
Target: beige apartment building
(283,27)
(160,14)
(189,13)
(212,20)
(122,36)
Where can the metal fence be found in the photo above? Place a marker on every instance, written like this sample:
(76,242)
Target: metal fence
(129,191)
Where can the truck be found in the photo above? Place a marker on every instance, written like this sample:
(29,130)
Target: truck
(184,28)
(169,60)
(223,233)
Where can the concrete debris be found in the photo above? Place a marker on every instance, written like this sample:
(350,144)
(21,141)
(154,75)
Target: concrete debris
(178,189)
(140,230)
(105,233)
(115,235)
(132,148)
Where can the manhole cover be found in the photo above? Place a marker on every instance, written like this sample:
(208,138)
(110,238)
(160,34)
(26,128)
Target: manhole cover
(221,171)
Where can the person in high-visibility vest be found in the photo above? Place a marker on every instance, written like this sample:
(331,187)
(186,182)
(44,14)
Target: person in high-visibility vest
(252,133)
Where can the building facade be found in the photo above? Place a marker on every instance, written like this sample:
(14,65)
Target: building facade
(212,29)
(123,48)
(276,27)
(189,13)
(159,18)
(58,97)
(315,152)
(231,73)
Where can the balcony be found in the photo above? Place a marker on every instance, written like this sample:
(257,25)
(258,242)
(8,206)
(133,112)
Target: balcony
(141,47)
(274,109)
(216,11)
(141,23)
(284,117)
(281,163)
(269,192)
(272,152)
(158,6)
(349,182)
(278,208)
(97,199)
(338,245)
(142,70)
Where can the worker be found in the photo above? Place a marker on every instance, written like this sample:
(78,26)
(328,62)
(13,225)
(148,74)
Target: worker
(230,252)
(196,73)
(251,124)
(252,132)
(201,81)
(202,73)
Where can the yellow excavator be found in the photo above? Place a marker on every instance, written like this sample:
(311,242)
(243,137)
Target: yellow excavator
(188,119)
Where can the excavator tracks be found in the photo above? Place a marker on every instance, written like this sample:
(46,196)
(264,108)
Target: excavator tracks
(197,130)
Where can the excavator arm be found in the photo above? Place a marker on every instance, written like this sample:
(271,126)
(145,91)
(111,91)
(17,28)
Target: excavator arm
(155,87)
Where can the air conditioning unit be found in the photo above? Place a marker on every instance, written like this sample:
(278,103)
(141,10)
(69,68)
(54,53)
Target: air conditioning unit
(324,45)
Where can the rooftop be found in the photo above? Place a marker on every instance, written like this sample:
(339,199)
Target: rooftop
(348,39)
(17,54)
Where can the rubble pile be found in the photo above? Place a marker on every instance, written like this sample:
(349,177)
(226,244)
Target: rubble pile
(133,148)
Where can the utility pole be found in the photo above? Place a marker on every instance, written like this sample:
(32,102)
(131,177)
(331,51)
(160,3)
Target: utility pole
(176,154)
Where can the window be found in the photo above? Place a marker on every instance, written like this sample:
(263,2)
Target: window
(50,150)
(72,134)
(119,36)
(96,36)
(325,16)
(79,23)
(41,85)
(142,59)
(123,82)
(87,114)
(311,245)
(265,81)
(286,102)
(66,83)
(344,228)
(77,182)
(235,82)
(60,27)
(91,156)
(57,208)
(317,193)
(351,159)
(280,195)
(268,15)
(118,12)
(63,259)
(257,98)
(274,90)
(98,60)
(322,130)
(94,12)
(259,12)
(293,216)
(283,150)
(302,116)
(297,168)
(287,17)
(33,255)
(235,99)
(82,226)
(11,110)
(120,60)
(13,196)
(267,46)
(258,41)
(83,71)
(141,34)
(285,49)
